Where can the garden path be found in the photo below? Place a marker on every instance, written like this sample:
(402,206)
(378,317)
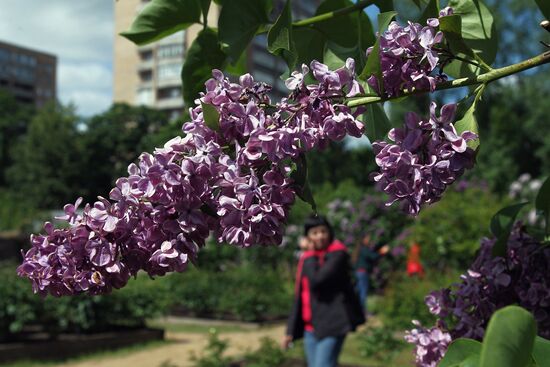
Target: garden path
(178,353)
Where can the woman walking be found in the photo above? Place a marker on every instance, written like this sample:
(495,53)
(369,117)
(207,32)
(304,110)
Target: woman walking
(326,306)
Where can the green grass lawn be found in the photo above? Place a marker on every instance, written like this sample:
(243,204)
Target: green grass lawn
(197,328)
(351,354)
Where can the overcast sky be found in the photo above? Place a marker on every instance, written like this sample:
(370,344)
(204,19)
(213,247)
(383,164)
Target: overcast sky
(79,33)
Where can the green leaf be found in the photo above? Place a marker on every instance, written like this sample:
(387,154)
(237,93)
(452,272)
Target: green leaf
(430,11)
(541,352)
(331,59)
(203,56)
(544,6)
(240,67)
(372,66)
(501,225)
(451,26)
(377,123)
(509,338)
(336,55)
(211,116)
(478,27)
(238,23)
(310,45)
(341,30)
(205,6)
(462,353)
(469,123)
(542,202)
(384,20)
(280,40)
(300,178)
(349,31)
(161,18)
(386,5)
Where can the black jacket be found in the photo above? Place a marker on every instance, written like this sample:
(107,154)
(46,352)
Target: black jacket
(335,307)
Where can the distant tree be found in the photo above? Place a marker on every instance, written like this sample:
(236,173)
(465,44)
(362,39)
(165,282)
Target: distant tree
(47,159)
(515,131)
(114,139)
(14,119)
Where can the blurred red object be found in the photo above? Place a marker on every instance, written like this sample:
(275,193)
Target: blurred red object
(414,267)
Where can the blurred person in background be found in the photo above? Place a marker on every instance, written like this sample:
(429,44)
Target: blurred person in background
(326,306)
(364,259)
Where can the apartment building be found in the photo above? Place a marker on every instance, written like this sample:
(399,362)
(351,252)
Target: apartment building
(28,74)
(150,75)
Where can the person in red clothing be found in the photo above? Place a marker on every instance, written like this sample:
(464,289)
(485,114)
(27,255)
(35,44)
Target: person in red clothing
(414,266)
(326,306)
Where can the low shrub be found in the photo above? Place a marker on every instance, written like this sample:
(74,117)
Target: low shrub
(245,293)
(449,231)
(403,299)
(269,354)
(213,355)
(379,343)
(142,298)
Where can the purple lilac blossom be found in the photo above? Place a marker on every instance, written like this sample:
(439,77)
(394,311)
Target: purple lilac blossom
(409,56)
(160,215)
(431,344)
(426,157)
(491,283)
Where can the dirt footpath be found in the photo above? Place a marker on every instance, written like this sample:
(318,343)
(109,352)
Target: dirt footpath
(179,352)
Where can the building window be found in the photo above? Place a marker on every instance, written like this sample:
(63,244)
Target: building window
(169,71)
(146,75)
(146,55)
(167,93)
(170,51)
(4,55)
(23,74)
(48,69)
(144,96)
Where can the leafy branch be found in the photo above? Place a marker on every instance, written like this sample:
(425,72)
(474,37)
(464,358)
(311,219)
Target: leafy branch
(485,78)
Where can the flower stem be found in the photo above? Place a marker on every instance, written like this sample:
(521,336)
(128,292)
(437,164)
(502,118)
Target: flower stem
(360,5)
(485,78)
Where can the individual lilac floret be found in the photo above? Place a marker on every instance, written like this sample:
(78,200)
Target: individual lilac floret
(491,283)
(408,57)
(426,157)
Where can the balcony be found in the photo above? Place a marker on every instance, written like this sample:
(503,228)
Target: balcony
(169,103)
(146,65)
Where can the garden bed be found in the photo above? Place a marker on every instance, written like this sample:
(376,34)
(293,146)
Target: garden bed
(40,346)
(183,312)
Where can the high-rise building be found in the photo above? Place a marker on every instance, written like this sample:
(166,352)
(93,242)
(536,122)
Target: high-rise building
(150,75)
(29,75)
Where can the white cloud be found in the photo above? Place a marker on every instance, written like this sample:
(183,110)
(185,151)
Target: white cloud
(80,33)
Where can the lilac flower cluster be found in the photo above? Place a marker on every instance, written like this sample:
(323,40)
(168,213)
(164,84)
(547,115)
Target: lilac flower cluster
(521,278)
(426,157)
(431,344)
(232,181)
(408,57)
